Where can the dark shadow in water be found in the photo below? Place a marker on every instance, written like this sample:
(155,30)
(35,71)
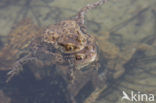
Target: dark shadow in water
(24,88)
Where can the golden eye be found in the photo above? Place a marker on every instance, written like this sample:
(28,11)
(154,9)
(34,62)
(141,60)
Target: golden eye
(79,56)
(69,48)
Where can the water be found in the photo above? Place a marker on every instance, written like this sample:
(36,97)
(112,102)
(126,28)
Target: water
(127,21)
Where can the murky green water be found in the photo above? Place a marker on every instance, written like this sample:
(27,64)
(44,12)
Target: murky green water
(128,21)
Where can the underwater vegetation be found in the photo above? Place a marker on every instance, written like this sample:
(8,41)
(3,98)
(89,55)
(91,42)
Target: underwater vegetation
(66,63)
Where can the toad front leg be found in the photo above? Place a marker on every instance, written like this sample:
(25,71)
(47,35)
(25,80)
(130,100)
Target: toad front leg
(18,66)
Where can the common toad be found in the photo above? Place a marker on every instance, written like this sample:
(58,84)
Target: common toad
(68,46)
(66,36)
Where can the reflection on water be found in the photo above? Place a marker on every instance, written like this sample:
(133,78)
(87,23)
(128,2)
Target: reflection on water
(127,21)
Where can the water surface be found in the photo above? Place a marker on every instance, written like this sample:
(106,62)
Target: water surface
(127,21)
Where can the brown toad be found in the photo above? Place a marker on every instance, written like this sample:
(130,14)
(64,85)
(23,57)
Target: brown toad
(46,52)
(59,40)
(62,43)
(34,48)
(66,42)
(66,36)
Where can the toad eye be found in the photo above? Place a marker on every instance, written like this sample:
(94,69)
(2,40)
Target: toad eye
(79,56)
(69,47)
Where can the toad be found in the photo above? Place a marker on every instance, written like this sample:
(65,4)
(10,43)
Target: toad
(68,46)
(66,36)
(57,41)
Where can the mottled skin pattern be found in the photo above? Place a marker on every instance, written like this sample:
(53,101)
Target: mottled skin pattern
(66,36)
(73,50)
(66,45)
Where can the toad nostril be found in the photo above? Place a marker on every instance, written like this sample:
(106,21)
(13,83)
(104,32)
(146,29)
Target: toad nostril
(79,57)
